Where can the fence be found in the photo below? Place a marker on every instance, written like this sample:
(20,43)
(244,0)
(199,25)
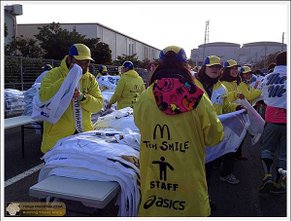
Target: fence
(21,72)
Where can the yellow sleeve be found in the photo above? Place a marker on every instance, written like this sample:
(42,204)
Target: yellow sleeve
(212,127)
(94,100)
(249,95)
(228,106)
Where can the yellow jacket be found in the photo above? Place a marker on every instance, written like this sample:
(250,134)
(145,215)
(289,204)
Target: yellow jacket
(99,75)
(128,89)
(66,124)
(220,98)
(249,94)
(172,157)
(231,89)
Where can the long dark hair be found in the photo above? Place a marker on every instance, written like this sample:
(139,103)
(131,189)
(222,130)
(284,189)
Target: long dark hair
(227,77)
(172,69)
(204,78)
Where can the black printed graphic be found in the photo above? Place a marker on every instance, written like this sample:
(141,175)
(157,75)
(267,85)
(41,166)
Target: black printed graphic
(163,129)
(163,168)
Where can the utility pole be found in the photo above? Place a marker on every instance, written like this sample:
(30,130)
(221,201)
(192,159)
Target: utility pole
(206,36)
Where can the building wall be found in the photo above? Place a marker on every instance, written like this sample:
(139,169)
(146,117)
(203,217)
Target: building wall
(249,53)
(255,52)
(118,43)
(11,11)
(10,24)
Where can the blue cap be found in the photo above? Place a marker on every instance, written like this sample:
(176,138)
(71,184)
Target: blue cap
(127,64)
(47,67)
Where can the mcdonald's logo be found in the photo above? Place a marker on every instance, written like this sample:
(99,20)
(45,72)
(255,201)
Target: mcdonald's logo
(162,130)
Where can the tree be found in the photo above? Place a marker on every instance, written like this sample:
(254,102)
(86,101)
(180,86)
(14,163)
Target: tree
(120,59)
(100,51)
(5,31)
(144,63)
(191,63)
(20,46)
(263,64)
(57,41)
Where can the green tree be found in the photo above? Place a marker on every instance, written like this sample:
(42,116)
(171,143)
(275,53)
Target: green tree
(20,46)
(120,59)
(57,41)
(100,51)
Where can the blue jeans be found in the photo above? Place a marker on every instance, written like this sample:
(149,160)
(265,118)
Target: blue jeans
(274,137)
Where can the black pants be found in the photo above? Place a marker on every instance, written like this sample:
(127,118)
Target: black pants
(227,164)
(208,170)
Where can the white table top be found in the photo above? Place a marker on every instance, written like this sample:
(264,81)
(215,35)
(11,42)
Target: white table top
(91,193)
(18,121)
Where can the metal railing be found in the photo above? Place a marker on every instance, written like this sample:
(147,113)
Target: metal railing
(21,72)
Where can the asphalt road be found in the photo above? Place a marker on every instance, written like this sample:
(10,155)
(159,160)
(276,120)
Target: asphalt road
(241,200)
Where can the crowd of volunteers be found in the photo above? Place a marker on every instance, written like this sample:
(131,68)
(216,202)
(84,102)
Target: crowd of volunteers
(179,108)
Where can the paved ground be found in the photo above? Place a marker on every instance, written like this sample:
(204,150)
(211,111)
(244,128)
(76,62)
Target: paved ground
(240,200)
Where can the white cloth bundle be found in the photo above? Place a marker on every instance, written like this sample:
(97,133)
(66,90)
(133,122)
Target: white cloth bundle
(235,126)
(108,82)
(118,119)
(14,101)
(51,110)
(28,98)
(257,123)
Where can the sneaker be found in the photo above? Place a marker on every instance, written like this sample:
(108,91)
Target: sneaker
(278,188)
(230,179)
(267,184)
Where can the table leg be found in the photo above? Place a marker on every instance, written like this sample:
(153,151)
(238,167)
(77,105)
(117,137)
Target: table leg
(22,140)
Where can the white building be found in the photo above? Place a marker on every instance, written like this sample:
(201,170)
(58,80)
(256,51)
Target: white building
(118,43)
(11,11)
(249,53)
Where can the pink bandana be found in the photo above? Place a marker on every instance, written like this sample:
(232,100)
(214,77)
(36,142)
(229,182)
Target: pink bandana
(174,96)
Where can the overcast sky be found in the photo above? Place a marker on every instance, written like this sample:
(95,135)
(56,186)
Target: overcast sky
(161,24)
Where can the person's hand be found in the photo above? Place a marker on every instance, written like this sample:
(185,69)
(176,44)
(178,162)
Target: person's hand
(240,96)
(256,84)
(78,95)
(241,107)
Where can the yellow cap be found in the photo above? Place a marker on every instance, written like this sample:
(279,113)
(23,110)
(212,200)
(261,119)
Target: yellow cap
(212,60)
(80,52)
(230,63)
(245,69)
